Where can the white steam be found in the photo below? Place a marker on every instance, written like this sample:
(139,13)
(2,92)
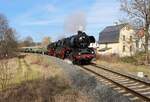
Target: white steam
(74,22)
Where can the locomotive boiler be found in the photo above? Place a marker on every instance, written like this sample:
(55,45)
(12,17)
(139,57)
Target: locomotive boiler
(76,48)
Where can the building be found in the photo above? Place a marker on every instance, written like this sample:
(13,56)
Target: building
(118,39)
(141,40)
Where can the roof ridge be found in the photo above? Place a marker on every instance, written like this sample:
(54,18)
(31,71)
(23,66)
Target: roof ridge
(110,34)
(118,25)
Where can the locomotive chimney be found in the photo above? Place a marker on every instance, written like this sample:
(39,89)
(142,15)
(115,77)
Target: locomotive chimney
(80,30)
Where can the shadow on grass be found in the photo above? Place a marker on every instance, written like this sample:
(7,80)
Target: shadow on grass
(21,56)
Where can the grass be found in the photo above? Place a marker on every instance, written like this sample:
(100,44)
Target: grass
(32,67)
(24,71)
(38,79)
(126,67)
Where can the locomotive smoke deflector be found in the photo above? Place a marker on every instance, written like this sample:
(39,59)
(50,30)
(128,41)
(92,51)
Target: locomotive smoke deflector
(92,39)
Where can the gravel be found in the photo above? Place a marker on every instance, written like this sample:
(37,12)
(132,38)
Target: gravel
(88,84)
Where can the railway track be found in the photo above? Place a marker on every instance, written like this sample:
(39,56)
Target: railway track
(136,90)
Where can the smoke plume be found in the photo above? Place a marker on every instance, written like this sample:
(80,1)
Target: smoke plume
(75,21)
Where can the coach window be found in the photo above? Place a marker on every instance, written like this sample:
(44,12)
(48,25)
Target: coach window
(130,38)
(130,48)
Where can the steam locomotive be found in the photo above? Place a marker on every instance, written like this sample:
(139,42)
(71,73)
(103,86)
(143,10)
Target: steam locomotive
(75,48)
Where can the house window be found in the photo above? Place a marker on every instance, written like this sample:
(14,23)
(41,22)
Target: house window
(106,45)
(130,38)
(130,48)
(124,48)
(123,37)
(137,44)
(127,28)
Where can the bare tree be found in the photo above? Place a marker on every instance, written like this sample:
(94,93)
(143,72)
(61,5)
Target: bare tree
(28,41)
(46,41)
(139,13)
(8,42)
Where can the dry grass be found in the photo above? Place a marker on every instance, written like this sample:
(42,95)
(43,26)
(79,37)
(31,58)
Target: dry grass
(37,79)
(126,67)
(44,66)
(50,90)
(109,58)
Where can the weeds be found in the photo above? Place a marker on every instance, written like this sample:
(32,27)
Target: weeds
(49,90)
(6,74)
(49,86)
(36,59)
(137,59)
(108,58)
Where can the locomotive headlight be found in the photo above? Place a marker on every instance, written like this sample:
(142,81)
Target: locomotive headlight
(80,38)
(92,52)
(79,53)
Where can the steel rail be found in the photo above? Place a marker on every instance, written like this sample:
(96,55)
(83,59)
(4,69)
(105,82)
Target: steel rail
(145,98)
(121,74)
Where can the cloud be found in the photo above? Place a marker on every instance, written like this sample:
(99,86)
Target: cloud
(39,15)
(36,22)
(101,12)
(43,22)
(50,8)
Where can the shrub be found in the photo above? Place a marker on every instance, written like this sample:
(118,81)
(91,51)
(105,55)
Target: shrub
(6,74)
(108,58)
(50,90)
(129,59)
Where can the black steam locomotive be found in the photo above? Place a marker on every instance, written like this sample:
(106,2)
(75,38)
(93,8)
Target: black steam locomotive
(76,48)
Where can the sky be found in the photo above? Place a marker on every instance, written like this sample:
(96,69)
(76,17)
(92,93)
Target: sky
(40,18)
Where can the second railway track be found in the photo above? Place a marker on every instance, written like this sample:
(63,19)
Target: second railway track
(136,90)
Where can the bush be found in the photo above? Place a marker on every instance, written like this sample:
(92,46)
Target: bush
(129,59)
(141,58)
(108,58)
(137,59)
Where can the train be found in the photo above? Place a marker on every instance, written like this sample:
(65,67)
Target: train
(75,48)
(38,50)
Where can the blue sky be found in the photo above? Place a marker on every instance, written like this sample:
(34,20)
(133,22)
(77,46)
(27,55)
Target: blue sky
(39,18)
